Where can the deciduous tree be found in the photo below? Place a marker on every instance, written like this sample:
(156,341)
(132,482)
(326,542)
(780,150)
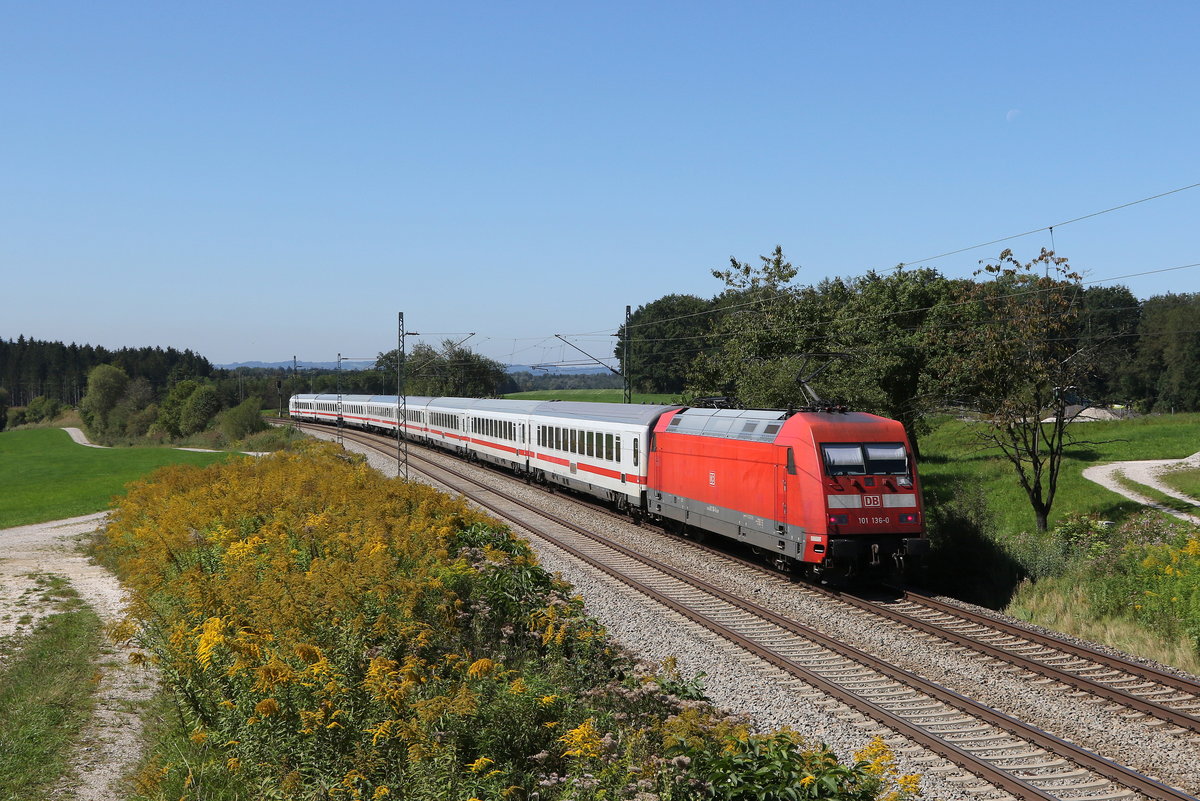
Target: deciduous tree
(664,337)
(1009,352)
(105,386)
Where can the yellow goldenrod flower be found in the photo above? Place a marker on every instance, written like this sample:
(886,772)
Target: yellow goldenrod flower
(583,740)
(210,638)
(266,707)
(480,764)
(480,668)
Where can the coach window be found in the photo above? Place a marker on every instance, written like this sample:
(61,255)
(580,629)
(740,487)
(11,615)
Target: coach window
(635,452)
(573,449)
(618,447)
(591,443)
(557,438)
(608,447)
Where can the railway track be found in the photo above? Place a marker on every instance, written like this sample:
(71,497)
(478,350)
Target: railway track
(1019,759)
(1145,690)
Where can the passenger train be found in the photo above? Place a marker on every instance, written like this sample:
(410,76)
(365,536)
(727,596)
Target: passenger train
(828,493)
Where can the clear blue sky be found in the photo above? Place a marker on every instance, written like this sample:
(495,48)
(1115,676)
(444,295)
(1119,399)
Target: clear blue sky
(261,180)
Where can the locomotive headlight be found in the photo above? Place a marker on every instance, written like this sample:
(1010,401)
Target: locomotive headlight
(904,481)
(908,518)
(839,519)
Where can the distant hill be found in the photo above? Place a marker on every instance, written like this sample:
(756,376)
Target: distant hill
(346,365)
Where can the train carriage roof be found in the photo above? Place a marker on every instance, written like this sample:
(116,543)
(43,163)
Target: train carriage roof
(628,413)
(498,405)
(754,425)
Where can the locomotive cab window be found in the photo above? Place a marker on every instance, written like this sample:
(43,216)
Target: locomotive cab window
(844,460)
(871,458)
(886,458)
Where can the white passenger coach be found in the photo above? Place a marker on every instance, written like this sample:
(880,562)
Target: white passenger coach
(597,448)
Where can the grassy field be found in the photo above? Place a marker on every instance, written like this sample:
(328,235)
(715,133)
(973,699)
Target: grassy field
(46,476)
(1185,481)
(592,395)
(1155,495)
(951,456)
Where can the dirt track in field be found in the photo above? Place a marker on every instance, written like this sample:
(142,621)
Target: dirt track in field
(1146,473)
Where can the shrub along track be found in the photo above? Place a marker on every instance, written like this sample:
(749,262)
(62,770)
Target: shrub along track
(1019,759)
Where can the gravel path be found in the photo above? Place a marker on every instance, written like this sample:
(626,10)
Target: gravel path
(81,438)
(110,745)
(1147,473)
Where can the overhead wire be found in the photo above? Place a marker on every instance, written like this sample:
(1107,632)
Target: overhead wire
(539,341)
(948,253)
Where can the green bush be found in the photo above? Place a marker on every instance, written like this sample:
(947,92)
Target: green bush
(242,420)
(172,406)
(42,408)
(198,410)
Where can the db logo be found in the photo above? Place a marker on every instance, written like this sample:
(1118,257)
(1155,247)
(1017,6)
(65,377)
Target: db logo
(872,500)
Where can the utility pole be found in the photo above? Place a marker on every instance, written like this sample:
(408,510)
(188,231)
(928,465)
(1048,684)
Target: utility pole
(625,361)
(292,386)
(401,398)
(401,404)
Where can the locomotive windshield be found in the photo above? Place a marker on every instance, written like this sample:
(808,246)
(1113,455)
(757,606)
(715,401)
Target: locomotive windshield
(869,458)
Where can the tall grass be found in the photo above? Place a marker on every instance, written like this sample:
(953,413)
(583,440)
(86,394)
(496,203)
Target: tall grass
(1063,604)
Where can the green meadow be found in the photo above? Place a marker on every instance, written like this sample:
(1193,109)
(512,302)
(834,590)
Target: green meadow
(1186,481)
(46,476)
(951,458)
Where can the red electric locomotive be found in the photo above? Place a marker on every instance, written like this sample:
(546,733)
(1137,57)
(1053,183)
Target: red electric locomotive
(835,493)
